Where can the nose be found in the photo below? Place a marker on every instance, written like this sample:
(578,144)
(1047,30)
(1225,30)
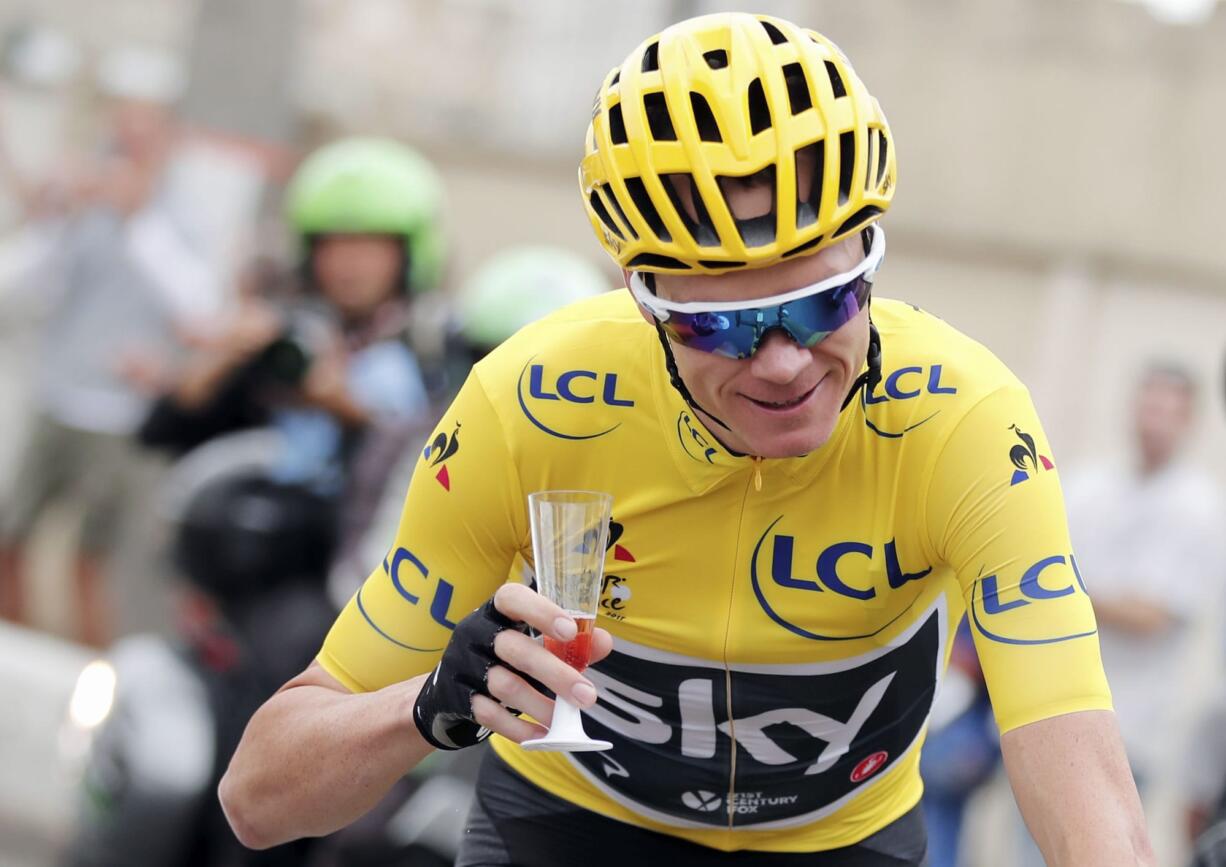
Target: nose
(779,358)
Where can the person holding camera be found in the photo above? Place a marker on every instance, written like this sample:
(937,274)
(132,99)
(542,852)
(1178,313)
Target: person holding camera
(111,272)
(329,363)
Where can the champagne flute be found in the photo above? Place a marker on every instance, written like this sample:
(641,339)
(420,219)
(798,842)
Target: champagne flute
(569,533)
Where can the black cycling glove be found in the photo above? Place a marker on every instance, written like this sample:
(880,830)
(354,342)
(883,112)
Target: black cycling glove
(444,709)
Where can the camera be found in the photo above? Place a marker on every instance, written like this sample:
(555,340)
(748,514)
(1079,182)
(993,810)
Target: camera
(304,336)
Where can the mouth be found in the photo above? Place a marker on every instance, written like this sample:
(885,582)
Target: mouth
(782,407)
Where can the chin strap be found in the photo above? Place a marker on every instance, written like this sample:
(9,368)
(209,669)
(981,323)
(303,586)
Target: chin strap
(674,377)
(868,379)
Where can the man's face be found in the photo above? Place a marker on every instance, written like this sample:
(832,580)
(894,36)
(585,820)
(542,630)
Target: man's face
(784,400)
(142,130)
(357,273)
(1163,417)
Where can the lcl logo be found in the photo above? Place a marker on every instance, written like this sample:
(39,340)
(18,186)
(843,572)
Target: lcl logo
(547,400)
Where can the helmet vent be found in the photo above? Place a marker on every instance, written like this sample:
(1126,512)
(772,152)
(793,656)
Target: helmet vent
(717,59)
(870,163)
(603,213)
(858,219)
(755,231)
(836,80)
(708,128)
(658,118)
(882,154)
(651,58)
(617,206)
(617,76)
(798,88)
(713,263)
(776,35)
(701,229)
(807,245)
(642,201)
(847,164)
(617,124)
(807,208)
(655,260)
(759,111)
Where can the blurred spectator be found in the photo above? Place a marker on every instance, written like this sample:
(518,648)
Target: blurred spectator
(327,364)
(516,286)
(1204,789)
(1204,792)
(961,752)
(252,612)
(118,278)
(1146,537)
(1145,532)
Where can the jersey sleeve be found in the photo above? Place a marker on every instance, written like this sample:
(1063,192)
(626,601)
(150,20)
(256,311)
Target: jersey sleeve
(463,522)
(995,514)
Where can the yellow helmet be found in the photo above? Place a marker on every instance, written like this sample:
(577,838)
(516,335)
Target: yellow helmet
(725,98)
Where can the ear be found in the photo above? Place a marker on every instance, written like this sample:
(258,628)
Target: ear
(651,320)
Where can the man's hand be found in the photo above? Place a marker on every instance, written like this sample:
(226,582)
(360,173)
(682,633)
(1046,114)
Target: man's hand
(490,665)
(253,327)
(326,386)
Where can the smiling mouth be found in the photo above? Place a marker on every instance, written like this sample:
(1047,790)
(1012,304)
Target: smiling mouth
(784,404)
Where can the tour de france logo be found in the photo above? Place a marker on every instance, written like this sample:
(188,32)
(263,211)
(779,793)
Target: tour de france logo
(615,589)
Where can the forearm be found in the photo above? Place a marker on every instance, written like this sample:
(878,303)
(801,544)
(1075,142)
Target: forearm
(201,381)
(1073,785)
(313,760)
(1133,615)
(348,411)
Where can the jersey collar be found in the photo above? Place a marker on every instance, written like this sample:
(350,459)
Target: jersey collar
(704,462)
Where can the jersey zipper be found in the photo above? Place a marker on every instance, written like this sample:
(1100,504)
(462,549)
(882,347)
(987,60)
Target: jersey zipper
(757,486)
(732,749)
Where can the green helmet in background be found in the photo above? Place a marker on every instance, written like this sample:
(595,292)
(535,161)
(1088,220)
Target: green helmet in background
(520,285)
(372,186)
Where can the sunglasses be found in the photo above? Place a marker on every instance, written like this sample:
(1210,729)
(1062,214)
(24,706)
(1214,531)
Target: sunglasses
(735,329)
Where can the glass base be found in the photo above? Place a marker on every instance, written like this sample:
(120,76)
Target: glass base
(561,745)
(566,732)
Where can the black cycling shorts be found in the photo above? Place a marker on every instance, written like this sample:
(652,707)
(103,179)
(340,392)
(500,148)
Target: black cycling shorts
(514,822)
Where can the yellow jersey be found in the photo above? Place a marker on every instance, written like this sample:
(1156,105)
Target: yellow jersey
(780,626)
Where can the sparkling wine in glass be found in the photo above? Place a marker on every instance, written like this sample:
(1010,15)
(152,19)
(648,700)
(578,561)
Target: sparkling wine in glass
(569,532)
(577,652)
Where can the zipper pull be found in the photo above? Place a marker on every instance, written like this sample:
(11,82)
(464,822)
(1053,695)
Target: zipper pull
(757,473)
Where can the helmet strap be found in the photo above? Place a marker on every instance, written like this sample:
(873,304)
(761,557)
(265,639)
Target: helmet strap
(868,379)
(674,377)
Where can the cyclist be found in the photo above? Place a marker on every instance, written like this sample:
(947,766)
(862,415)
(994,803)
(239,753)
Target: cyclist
(805,502)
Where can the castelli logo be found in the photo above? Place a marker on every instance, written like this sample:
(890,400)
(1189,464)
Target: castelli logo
(869,766)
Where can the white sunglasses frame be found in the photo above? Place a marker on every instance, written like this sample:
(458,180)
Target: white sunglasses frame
(660,308)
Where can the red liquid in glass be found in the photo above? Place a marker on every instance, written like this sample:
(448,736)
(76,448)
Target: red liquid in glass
(577,652)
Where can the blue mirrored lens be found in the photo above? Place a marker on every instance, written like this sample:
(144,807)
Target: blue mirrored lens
(738,333)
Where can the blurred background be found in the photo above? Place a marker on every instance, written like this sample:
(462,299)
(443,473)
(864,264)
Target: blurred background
(1059,201)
